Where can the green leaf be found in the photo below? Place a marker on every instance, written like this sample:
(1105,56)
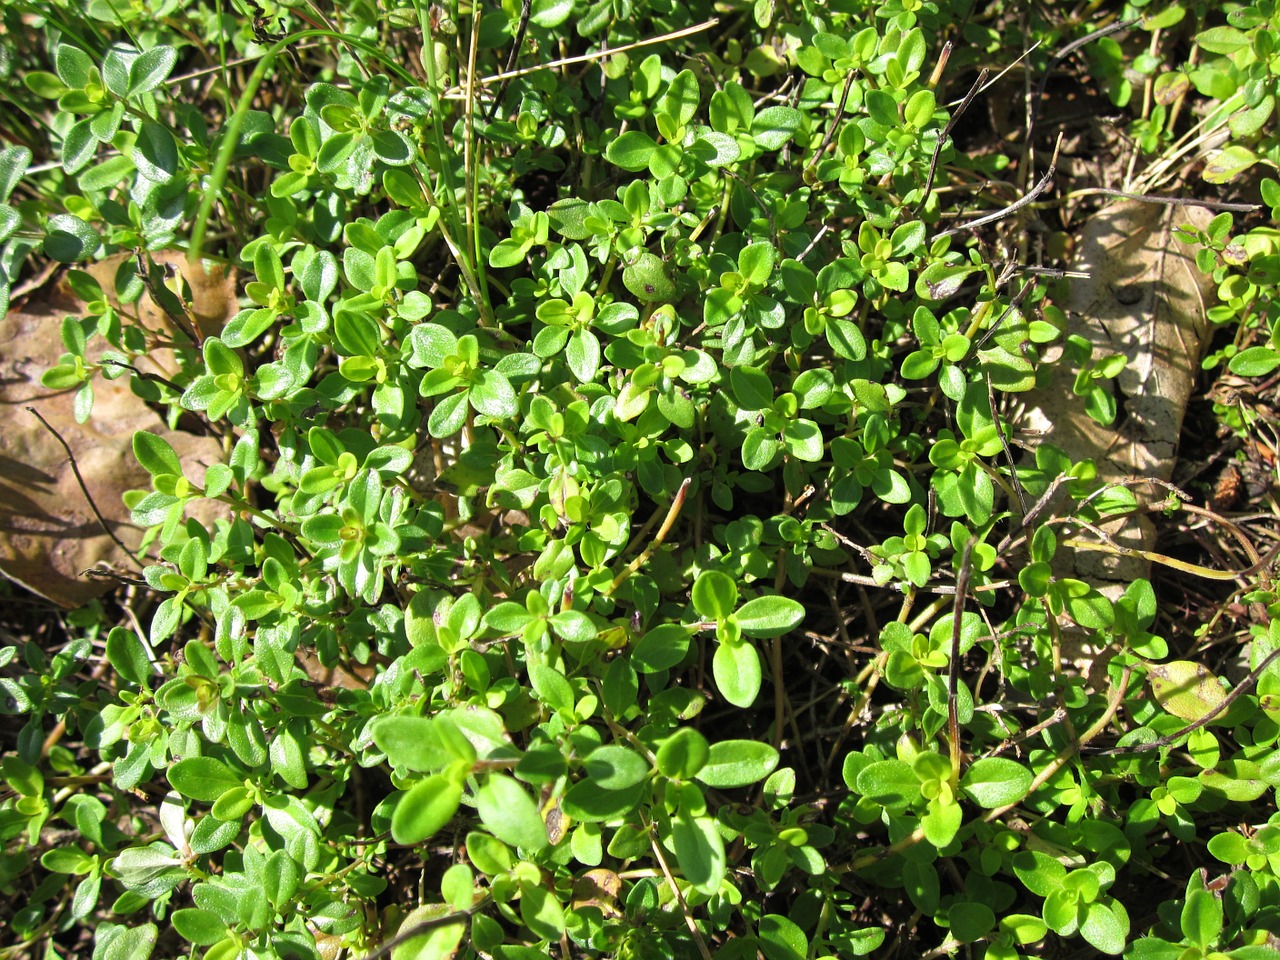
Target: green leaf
(410,742)
(846,339)
(582,353)
(508,252)
(13,164)
(437,943)
(1229,848)
(449,415)
(106,174)
(115,68)
(357,333)
(152,870)
(661,648)
(891,783)
(970,921)
(1061,911)
(1035,577)
(918,365)
(921,882)
(488,854)
(247,326)
(203,778)
(699,850)
(919,109)
(738,763)
(1153,948)
(942,281)
(587,802)
(1040,873)
(1254,362)
(715,149)
(683,754)
(769,616)
(1245,124)
(1023,927)
(1226,40)
(551,687)
(125,943)
(1106,926)
(995,781)
(549,14)
(1202,915)
(1087,606)
(507,617)
(45,85)
(200,927)
(647,280)
(782,939)
(128,656)
(541,912)
(1238,780)
(752,388)
(64,376)
(75,67)
(680,101)
(614,767)
(941,821)
(568,218)
(759,448)
(69,860)
(430,345)
(233,805)
(860,943)
(155,455)
(755,264)
(425,808)
(774,126)
(714,595)
(68,239)
(882,107)
(813,388)
(894,276)
(78,147)
(631,151)
(151,69)
(736,669)
(803,440)
(155,154)
(511,814)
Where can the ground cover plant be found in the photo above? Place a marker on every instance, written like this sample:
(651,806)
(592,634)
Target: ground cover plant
(625,539)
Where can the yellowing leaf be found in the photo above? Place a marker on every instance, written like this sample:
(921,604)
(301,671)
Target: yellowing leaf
(1228,163)
(1185,689)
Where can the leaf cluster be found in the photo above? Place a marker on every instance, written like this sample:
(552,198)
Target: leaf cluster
(566,415)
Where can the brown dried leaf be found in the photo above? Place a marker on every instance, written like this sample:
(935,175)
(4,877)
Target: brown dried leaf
(597,888)
(1144,298)
(48,533)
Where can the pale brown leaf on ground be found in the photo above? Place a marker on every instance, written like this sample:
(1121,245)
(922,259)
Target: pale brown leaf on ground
(48,533)
(1145,299)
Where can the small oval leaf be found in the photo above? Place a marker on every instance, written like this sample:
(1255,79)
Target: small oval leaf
(995,781)
(426,808)
(738,763)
